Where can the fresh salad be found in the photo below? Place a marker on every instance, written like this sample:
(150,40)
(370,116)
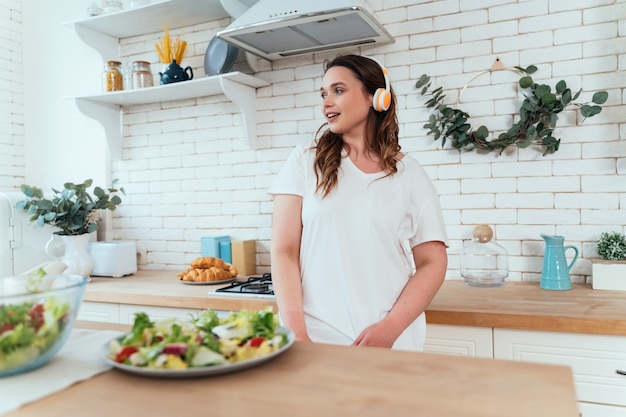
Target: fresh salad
(29,329)
(206,340)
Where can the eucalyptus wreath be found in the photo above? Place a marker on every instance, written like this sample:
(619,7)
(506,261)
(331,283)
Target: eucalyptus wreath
(537,116)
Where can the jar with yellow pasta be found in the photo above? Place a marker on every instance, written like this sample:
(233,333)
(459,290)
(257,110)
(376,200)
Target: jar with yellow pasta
(112,77)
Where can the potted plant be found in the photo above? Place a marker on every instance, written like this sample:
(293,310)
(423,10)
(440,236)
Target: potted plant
(609,269)
(76,214)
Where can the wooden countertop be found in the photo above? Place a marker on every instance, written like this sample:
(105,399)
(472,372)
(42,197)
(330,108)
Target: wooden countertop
(523,305)
(164,289)
(325,380)
(514,305)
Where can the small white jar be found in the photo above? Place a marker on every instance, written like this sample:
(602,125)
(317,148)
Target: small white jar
(112,6)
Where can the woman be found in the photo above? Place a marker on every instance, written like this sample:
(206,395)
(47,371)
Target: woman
(358,245)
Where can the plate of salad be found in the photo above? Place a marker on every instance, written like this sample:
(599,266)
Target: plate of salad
(206,345)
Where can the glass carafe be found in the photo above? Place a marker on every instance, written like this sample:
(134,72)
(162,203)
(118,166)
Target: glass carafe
(484,263)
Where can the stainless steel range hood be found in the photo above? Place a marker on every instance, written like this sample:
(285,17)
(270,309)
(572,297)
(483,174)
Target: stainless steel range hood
(274,29)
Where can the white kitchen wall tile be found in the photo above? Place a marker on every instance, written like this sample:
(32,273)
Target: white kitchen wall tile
(554,21)
(432,9)
(512,43)
(469,201)
(611,184)
(548,217)
(489,216)
(615,217)
(486,31)
(604,201)
(525,200)
(565,53)
(556,184)
(518,10)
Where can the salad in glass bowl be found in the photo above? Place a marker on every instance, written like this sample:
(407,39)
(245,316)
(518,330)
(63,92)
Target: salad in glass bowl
(207,343)
(37,314)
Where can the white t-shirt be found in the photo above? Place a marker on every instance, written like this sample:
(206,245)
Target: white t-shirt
(355,253)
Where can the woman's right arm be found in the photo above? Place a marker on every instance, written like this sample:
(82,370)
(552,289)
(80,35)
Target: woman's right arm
(285,262)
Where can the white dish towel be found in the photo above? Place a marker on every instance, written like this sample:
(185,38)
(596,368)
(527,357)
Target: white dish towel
(77,361)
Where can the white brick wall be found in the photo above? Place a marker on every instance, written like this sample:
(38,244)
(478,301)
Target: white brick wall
(11,96)
(189,171)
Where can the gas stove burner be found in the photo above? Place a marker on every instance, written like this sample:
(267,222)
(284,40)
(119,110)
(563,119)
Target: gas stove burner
(259,286)
(263,288)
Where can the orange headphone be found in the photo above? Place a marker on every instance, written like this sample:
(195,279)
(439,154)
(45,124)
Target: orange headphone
(382,96)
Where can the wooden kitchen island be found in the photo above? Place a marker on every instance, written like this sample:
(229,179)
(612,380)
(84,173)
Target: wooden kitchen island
(582,328)
(324,380)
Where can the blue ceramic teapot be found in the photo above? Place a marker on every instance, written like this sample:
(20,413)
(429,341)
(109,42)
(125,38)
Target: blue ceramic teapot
(555,272)
(174,73)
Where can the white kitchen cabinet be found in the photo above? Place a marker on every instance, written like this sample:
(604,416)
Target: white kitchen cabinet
(594,359)
(101,312)
(103,34)
(459,340)
(125,313)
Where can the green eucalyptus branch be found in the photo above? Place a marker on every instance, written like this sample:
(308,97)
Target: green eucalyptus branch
(73,209)
(537,116)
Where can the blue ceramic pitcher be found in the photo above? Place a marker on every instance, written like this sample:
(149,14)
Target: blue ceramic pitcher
(555,272)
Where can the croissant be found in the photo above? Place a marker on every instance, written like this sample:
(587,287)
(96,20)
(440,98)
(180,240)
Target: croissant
(209,262)
(204,274)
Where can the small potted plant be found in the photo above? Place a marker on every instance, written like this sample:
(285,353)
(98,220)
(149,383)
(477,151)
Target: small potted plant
(75,213)
(609,269)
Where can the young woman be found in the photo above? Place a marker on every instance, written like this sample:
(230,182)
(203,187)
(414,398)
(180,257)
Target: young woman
(358,246)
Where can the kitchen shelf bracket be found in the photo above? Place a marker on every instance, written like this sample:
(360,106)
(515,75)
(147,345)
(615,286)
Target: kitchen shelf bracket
(109,116)
(107,46)
(245,97)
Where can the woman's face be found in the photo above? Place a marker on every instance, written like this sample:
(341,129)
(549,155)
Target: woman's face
(345,103)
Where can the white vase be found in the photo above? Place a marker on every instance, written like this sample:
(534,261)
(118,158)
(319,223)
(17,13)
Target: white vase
(74,253)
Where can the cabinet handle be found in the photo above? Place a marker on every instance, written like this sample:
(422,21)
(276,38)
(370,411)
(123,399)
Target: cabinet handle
(620,371)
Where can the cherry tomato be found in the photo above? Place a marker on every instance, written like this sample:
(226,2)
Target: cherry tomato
(256,341)
(36,316)
(123,355)
(6,327)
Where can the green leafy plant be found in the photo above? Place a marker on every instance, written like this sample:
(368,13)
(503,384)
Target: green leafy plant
(537,116)
(73,209)
(612,246)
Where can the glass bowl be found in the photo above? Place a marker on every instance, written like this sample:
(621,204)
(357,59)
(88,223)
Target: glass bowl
(37,314)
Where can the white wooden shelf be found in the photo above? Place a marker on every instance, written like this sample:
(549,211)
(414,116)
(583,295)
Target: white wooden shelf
(240,88)
(152,17)
(103,33)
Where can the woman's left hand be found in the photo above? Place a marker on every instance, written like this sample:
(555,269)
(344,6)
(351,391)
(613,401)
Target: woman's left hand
(378,335)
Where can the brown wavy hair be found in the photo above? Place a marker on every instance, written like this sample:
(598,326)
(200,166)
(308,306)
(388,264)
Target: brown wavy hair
(381,127)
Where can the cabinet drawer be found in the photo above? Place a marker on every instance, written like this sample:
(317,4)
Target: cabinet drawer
(459,340)
(102,312)
(600,410)
(592,358)
(127,312)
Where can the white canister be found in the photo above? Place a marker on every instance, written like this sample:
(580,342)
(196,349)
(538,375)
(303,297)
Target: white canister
(137,3)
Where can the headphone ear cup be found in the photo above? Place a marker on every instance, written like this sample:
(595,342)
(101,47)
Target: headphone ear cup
(381,100)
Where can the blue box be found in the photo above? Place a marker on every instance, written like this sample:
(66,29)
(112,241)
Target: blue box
(225,252)
(216,247)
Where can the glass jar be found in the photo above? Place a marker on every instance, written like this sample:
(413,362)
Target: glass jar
(138,3)
(94,9)
(111,6)
(484,263)
(142,76)
(112,77)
